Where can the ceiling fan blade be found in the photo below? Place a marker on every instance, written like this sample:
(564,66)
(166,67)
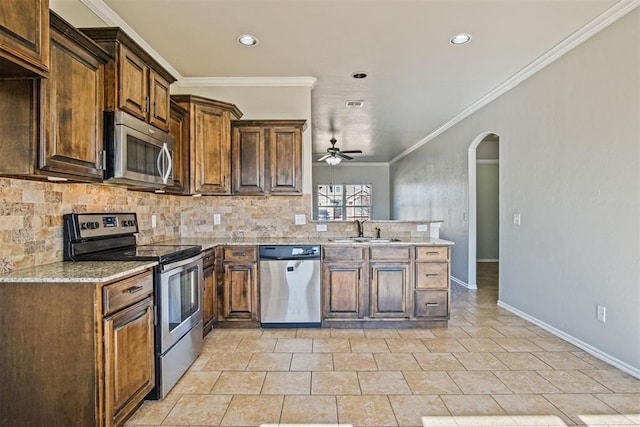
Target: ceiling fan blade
(344,156)
(352,151)
(323,158)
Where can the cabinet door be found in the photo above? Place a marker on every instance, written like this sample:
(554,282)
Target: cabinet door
(212,157)
(178,129)
(158,101)
(72,100)
(248,157)
(240,291)
(208,299)
(133,86)
(390,290)
(24,38)
(285,160)
(129,370)
(343,291)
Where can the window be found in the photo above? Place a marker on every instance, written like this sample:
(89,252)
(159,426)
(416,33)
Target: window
(345,202)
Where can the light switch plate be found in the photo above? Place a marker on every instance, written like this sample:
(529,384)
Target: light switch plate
(154,221)
(321,227)
(422,227)
(301,219)
(516,218)
(216,219)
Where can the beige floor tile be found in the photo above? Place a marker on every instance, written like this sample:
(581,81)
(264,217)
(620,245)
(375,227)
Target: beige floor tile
(199,409)
(472,405)
(244,333)
(387,382)
(452,332)
(396,362)
(478,382)
(482,332)
(628,404)
(347,333)
(227,362)
(480,345)
(438,362)
(381,333)
(515,331)
(368,345)
(220,345)
(152,412)
(313,333)
(517,344)
(526,382)
(443,345)
(577,405)
(596,363)
(521,361)
(239,383)
(253,410)
(279,333)
(196,382)
(416,333)
(309,410)
(331,345)
(409,410)
(269,362)
(354,362)
(562,360)
(551,343)
(311,362)
(480,361)
(287,383)
(335,383)
(615,380)
(365,411)
(256,345)
(573,382)
(294,345)
(431,382)
(406,345)
(200,362)
(528,404)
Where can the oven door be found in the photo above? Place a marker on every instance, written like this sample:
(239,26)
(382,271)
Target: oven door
(179,300)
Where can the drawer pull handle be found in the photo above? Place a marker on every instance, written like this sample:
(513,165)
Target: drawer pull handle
(238,253)
(134,289)
(431,276)
(433,253)
(432,304)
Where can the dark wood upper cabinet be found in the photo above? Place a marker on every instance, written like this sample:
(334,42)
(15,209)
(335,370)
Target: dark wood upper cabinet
(24,38)
(267,156)
(135,82)
(179,130)
(52,128)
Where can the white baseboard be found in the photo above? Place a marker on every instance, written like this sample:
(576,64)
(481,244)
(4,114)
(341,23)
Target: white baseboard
(597,353)
(487,260)
(465,284)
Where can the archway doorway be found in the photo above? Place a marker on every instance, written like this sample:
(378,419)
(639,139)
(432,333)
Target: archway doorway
(484,161)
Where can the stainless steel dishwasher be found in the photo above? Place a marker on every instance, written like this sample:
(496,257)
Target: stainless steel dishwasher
(290,285)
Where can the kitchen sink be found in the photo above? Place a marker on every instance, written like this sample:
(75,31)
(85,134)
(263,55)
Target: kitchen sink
(362,240)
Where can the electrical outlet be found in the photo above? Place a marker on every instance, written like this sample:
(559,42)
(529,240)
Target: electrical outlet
(154,221)
(321,227)
(216,219)
(601,313)
(516,218)
(422,227)
(301,219)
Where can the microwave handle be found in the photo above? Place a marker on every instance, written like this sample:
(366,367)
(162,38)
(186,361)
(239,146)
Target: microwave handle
(164,156)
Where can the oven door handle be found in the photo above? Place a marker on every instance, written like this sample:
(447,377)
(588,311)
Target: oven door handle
(173,265)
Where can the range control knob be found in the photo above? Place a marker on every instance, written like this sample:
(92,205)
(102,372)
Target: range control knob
(93,225)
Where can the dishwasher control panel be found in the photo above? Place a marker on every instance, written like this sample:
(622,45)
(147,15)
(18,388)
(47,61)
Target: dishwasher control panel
(290,252)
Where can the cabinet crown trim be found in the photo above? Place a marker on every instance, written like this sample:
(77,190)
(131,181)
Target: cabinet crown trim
(195,99)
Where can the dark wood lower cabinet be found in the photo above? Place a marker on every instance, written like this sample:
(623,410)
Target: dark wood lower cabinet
(239,300)
(344,295)
(390,290)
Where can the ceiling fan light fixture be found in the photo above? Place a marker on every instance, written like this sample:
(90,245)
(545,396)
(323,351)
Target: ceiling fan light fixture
(459,39)
(247,40)
(333,160)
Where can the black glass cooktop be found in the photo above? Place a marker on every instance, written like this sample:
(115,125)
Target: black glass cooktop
(160,253)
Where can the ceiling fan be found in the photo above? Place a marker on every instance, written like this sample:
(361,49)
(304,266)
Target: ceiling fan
(334,155)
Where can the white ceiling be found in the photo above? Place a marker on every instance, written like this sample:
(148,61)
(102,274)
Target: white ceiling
(416,80)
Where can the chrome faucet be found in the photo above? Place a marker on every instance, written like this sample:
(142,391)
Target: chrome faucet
(360,225)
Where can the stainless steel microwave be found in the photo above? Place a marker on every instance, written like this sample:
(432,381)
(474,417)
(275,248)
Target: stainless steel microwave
(137,153)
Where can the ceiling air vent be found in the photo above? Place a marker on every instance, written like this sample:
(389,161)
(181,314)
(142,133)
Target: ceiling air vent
(356,103)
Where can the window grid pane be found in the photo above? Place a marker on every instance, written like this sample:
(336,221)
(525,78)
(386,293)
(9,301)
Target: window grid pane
(344,202)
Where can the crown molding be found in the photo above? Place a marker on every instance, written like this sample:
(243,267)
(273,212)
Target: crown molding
(247,81)
(599,23)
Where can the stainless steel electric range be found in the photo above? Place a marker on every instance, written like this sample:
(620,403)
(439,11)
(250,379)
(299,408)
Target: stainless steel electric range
(177,285)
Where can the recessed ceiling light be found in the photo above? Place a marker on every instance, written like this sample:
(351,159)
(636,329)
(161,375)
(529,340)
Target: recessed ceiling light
(247,40)
(359,75)
(460,39)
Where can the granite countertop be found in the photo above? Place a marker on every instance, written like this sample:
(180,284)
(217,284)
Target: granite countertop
(208,243)
(77,272)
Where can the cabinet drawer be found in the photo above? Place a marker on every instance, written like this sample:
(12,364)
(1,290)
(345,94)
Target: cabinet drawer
(432,275)
(389,252)
(208,258)
(239,253)
(431,303)
(432,253)
(341,253)
(126,292)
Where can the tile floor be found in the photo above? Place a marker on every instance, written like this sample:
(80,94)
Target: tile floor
(488,368)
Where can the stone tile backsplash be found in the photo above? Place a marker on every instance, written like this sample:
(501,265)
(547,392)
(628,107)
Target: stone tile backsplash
(31,217)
